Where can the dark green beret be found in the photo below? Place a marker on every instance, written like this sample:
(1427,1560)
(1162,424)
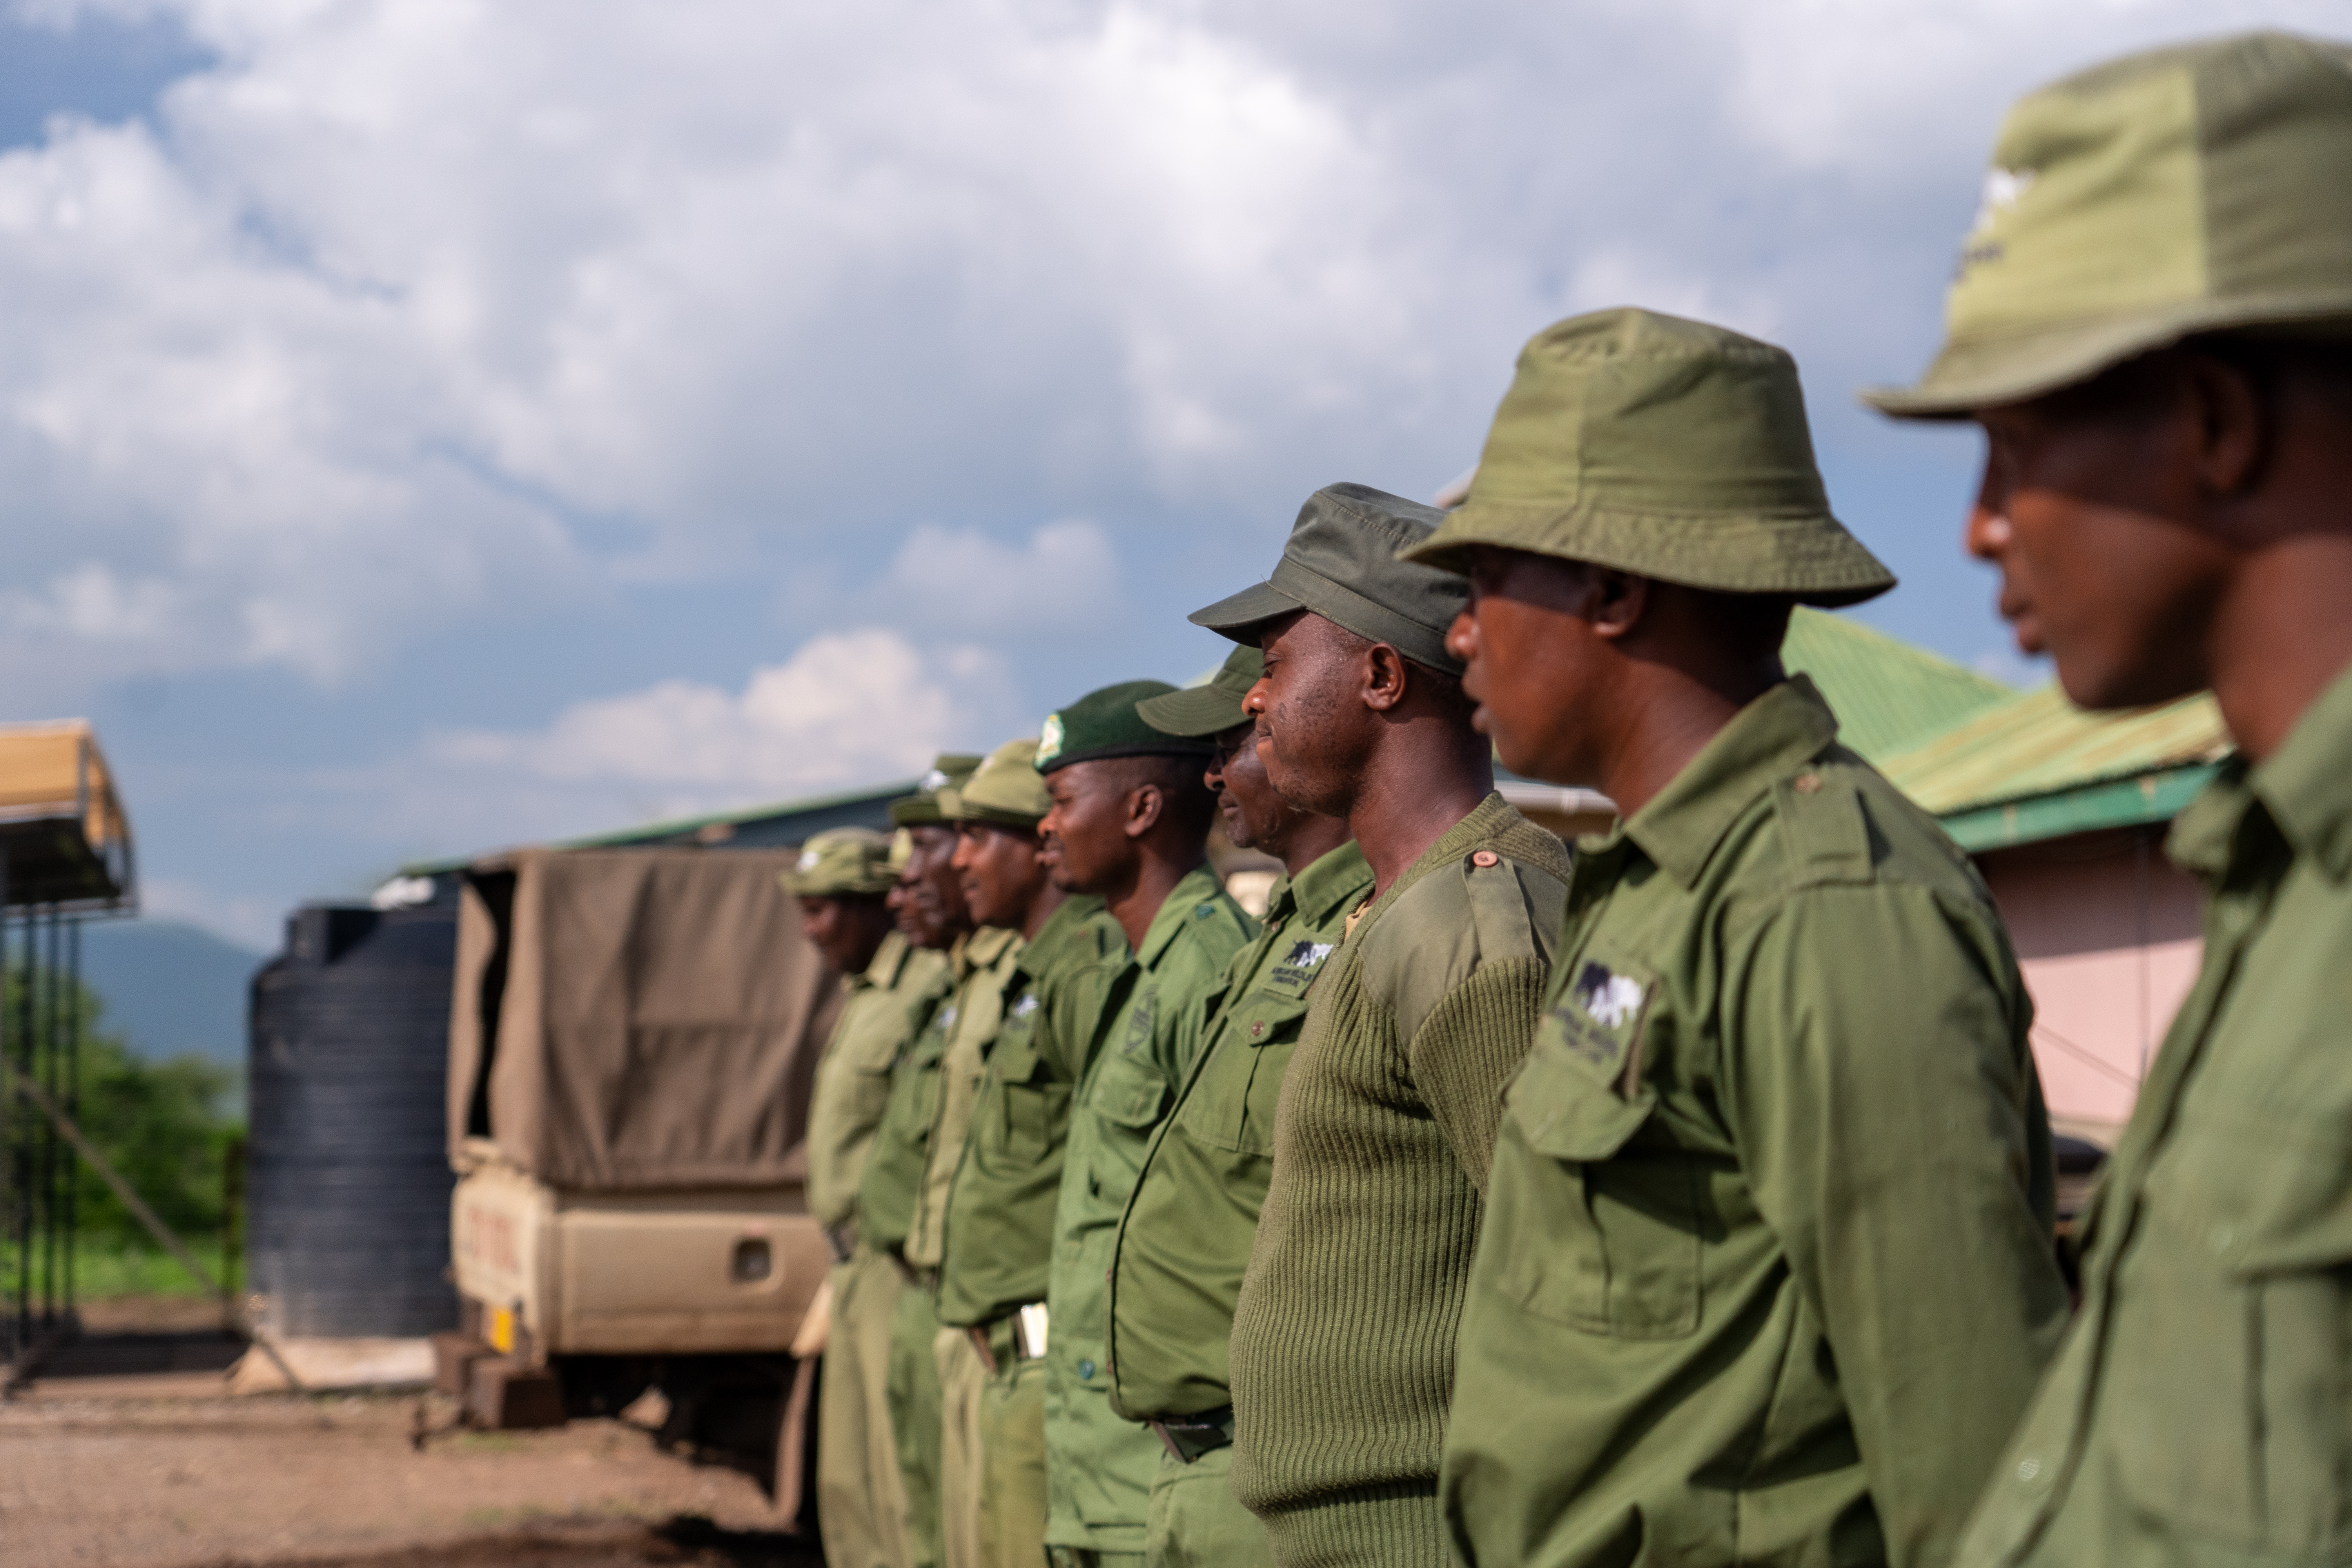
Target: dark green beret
(1105,724)
(1211,708)
(922,809)
(1340,561)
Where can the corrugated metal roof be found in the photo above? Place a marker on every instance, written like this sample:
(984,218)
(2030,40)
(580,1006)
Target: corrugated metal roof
(2037,743)
(1889,695)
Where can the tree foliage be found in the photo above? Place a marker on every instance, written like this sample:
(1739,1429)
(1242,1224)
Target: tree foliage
(163,1124)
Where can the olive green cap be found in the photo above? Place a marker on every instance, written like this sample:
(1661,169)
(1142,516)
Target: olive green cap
(1662,446)
(1343,560)
(840,861)
(1214,705)
(1004,790)
(1105,723)
(2196,189)
(902,850)
(922,808)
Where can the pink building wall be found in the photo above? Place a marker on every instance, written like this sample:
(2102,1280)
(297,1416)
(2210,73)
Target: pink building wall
(2107,934)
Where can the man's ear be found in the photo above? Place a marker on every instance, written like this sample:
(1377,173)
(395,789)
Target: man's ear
(2236,425)
(1615,602)
(1385,677)
(1144,804)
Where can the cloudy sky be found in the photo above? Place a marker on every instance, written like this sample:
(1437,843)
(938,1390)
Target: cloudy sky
(426,425)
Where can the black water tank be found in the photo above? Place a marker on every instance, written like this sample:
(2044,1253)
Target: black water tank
(348,1180)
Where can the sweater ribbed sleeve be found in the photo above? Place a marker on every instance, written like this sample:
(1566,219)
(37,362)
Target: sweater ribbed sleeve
(1343,1345)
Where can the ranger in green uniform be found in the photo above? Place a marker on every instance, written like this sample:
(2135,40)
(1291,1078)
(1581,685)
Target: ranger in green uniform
(968,1022)
(1343,1336)
(841,880)
(1001,1212)
(1768,1271)
(931,909)
(1130,823)
(1185,1239)
(2152,324)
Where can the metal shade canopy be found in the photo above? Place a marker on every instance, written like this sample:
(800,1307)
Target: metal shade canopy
(65,842)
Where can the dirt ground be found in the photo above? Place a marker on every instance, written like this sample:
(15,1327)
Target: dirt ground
(112,1468)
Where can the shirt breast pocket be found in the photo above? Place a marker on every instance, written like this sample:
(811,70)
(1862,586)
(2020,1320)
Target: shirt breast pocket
(1036,1108)
(2232,1411)
(1128,1091)
(1232,1105)
(1601,1229)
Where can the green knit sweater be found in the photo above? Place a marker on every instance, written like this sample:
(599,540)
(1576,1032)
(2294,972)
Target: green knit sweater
(1343,1346)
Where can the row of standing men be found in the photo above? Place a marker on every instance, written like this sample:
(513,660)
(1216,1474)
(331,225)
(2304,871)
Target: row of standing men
(1688,1201)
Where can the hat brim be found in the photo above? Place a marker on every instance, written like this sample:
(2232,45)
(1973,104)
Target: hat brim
(916,811)
(1987,370)
(1199,712)
(1244,616)
(1810,558)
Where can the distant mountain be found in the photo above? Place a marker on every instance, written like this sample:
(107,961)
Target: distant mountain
(170,989)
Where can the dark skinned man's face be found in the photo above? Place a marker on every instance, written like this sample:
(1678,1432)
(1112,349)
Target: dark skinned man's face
(1526,649)
(1310,718)
(1256,814)
(1087,848)
(1002,869)
(935,888)
(2079,510)
(826,924)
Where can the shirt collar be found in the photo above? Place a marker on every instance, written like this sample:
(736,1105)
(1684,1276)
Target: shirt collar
(1335,883)
(1178,911)
(888,960)
(1681,826)
(2305,783)
(985,946)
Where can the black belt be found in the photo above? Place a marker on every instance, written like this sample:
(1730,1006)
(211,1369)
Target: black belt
(1190,1437)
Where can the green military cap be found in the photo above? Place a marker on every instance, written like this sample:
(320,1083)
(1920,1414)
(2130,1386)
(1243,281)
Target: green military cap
(841,860)
(1342,561)
(922,809)
(1105,723)
(1662,446)
(902,850)
(1006,790)
(2187,190)
(1212,707)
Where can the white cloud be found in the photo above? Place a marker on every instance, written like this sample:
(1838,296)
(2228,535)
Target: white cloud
(415,312)
(960,581)
(848,708)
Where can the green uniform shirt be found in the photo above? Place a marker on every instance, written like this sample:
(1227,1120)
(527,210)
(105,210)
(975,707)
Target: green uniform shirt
(1099,1466)
(2201,1412)
(895,1164)
(1343,1337)
(1768,1271)
(853,1076)
(1000,1232)
(1185,1240)
(968,1021)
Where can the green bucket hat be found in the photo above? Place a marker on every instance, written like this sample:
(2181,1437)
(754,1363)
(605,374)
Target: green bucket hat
(1346,560)
(2196,189)
(1212,707)
(841,861)
(1105,724)
(922,809)
(1662,447)
(1004,790)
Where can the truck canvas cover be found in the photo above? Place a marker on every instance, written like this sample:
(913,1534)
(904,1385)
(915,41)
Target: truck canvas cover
(634,1019)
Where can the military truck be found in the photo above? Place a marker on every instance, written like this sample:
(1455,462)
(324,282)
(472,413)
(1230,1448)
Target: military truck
(633,1037)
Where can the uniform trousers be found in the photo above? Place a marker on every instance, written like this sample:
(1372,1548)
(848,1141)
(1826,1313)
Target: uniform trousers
(861,1500)
(1012,1465)
(1195,1522)
(962,1375)
(914,1419)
